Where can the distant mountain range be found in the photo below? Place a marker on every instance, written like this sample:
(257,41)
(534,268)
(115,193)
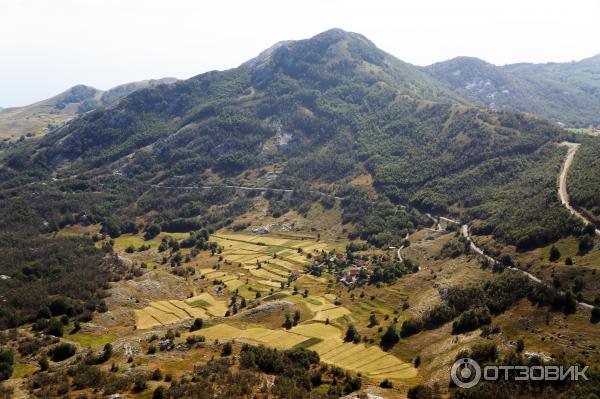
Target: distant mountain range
(568,93)
(38,118)
(564,93)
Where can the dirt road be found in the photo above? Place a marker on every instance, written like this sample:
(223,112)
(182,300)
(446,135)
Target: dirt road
(241,188)
(562,181)
(465,232)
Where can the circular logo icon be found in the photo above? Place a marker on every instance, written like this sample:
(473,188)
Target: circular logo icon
(465,373)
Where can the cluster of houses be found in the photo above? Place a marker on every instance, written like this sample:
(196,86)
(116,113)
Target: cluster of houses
(261,230)
(353,271)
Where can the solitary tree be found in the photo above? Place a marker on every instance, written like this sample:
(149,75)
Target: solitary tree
(390,338)
(554,254)
(351,333)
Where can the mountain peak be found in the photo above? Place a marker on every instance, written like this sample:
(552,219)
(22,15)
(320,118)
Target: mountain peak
(319,44)
(336,34)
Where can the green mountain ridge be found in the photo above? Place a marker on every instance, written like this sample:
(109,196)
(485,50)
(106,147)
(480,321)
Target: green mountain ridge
(324,111)
(568,93)
(39,117)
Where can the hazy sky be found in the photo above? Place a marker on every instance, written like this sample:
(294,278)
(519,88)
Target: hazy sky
(47,46)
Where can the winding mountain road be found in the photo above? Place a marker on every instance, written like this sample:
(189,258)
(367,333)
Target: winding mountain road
(242,188)
(562,181)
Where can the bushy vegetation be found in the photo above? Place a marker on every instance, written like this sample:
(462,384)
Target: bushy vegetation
(51,277)
(584,179)
(488,354)
(473,306)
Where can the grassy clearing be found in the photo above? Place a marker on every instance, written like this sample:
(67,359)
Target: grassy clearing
(91,340)
(313,301)
(126,240)
(22,370)
(201,303)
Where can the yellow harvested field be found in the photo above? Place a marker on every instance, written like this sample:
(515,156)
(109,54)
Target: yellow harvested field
(392,370)
(371,354)
(216,308)
(280,339)
(162,316)
(370,361)
(234,284)
(251,238)
(268,283)
(257,333)
(215,275)
(165,312)
(248,249)
(206,270)
(275,270)
(282,263)
(347,352)
(264,274)
(331,314)
(327,345)
(168,307)
(383,363)
(191,310)
(143,320)
(220,332)
(283,339)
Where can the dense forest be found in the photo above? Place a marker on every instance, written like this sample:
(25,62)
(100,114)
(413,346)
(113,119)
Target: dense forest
(52,277)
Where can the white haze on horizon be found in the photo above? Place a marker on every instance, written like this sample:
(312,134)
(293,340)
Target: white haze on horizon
(47,46)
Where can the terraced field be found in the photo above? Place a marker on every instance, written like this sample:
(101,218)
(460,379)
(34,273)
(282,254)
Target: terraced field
(248,249)
(172,311)
(165,312)
(209,303)
(231,280)
(327,341)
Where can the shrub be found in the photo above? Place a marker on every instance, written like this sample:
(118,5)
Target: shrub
(55,327)
(386,384)
(62,351)
(227,349)
(6,364)
(351,333)
(554,254)
(389,338)
(156,375)
(569,261)
(197,325)
(471,320)
(595,315)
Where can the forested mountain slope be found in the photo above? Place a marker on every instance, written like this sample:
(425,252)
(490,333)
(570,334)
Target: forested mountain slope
(561,92)
(40,117)
(324,111)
